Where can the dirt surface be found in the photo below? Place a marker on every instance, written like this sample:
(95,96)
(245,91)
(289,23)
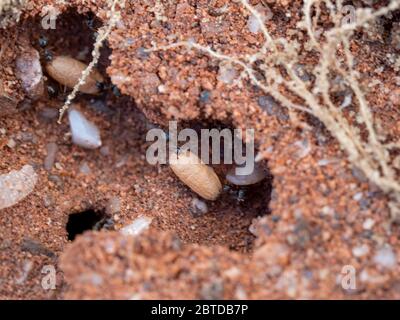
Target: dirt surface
(292,235)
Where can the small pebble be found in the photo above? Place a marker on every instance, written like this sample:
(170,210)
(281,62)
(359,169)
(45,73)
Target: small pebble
(84,132)
(57,180)
(365,203)
(199,207)
(212,290)
(347,101)
(327,211)
(11,143)
(113,206)
(368,224)
(48,201)
(252,23)
(162,88)
(385,257)
(51,149)
(301,72)
(205,96)
(142,53)
(29,72)
(254,230)
(275,218)
(268,104)
(139,225)
(360,251)
(16,185)
(27,137)
(325,162)
(105,151)
(227,74)
(48,114)
(304,148)
(358,196)
(84,168)
(36,248)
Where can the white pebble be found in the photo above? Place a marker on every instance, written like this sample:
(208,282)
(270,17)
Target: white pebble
(29,72)
(84,132)
(358,196)
(327,211)
(199,206)
(360,251)
(227,73)
(368,224)
(252,22)
(105,151)
(253,230)
(11,143)
(385,257)
(16,185)
(84,168)
(346,101)
(113,206)
(139,225)
(304,147)
(325,162)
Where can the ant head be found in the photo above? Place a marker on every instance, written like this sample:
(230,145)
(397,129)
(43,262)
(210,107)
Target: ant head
(236,192)
(90,20)
(241,195)
(101,85)
(116,91)
(52,92)
(43,41)
(48,55)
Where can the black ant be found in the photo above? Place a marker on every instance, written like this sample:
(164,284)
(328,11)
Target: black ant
(239,193)
(90,21)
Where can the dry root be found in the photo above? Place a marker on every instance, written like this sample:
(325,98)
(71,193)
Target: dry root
(103,33)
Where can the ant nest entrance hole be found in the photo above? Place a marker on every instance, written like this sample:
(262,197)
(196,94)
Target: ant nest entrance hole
(227,220)
(72,35)
(86,220)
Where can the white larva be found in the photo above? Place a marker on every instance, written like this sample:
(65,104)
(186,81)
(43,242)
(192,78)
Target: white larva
(199,177)
(257,175)
(67,71)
